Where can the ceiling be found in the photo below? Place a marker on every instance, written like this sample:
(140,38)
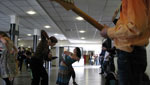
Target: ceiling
(62,22)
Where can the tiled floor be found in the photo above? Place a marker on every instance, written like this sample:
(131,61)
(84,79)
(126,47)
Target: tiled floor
(85,75)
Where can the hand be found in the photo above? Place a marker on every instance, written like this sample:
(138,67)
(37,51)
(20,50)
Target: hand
(66,52)
(104,31)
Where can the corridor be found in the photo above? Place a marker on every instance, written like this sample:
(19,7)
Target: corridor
(85,75)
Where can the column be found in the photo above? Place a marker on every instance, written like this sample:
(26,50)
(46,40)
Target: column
(35,38)
(14,28)
(57,54)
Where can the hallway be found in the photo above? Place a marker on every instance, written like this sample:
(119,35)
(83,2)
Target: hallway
(87,75)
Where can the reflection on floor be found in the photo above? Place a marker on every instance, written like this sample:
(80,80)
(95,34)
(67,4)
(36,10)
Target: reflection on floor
(85,75)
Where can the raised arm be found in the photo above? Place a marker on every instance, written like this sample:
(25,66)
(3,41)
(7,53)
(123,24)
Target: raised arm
(44,35)
(68,53)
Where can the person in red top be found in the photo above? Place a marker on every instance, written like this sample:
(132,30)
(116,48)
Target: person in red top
(131,35)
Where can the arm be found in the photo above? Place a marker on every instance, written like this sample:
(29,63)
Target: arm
(73,56)
(68,53)
(124,31)
(44,35)
(116,12)
(15,50)
(132,22)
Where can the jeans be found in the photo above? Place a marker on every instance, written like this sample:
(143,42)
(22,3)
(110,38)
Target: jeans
(131,65)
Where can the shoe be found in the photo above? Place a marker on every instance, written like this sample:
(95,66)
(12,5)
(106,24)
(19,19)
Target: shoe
(74,83)
(101,73)
(53,58)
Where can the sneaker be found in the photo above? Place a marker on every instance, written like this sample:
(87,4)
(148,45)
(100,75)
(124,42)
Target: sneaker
(53,58)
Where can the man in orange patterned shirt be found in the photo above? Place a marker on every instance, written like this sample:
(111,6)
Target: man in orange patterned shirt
(131,35)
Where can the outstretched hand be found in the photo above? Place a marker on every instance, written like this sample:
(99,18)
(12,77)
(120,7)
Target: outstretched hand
(103,32)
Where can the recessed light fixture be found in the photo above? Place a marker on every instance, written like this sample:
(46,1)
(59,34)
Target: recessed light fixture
(82,31)
(19,39)
(79,18)
(29,34)
(31,12)
(47,26)
(55,34)
(22,45)
(82,38)
(39,39)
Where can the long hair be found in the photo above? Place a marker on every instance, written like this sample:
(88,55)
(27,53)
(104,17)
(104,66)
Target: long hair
(3,34)
(78,52)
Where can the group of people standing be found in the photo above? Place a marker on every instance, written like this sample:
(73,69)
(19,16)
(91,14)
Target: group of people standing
(24,55)
(107,59)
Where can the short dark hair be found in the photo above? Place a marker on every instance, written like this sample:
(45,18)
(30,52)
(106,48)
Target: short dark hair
(78,52)
(53,39)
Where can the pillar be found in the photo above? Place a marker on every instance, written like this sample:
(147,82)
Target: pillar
(35,38)
(14,29)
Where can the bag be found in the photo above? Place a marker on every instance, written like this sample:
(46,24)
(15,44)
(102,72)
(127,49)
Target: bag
(113,82)
(111,79)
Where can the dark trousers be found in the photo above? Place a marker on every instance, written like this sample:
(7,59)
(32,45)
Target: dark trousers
(131,66)
(20,65)
(38,73)
(73,73)
(7,81)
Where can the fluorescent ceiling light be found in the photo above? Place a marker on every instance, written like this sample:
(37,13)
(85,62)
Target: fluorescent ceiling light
(61,45)
(47,26)
(83,41)
(82,38)
(76,41)
(79,18)
(82,31)
(22,45)
(31,12)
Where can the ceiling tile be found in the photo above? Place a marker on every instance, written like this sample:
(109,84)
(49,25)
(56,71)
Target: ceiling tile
(20,3)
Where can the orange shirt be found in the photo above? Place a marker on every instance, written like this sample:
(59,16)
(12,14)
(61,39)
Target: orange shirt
(133,27)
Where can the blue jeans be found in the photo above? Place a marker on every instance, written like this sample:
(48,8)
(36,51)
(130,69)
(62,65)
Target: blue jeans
(131,66)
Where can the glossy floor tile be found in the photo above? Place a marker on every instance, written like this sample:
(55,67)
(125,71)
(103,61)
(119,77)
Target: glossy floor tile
(85,75)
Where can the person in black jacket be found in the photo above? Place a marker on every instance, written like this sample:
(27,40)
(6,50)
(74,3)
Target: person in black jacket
(37,60)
